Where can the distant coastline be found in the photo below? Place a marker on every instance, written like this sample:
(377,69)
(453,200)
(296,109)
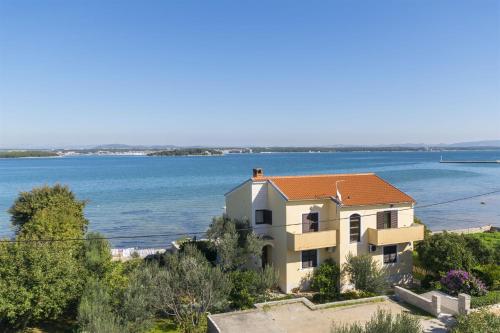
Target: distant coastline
(27,154)
(220,151)
(188,152)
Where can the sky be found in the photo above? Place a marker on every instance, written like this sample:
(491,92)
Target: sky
(248,72)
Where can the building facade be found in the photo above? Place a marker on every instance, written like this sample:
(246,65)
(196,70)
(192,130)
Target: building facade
(305,220)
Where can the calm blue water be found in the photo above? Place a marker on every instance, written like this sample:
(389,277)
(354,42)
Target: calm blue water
(143,195)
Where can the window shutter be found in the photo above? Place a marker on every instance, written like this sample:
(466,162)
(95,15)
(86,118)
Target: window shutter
(394,219)
(306,224)
(380,220)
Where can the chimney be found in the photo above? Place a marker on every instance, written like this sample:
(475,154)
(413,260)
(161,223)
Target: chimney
(258,172)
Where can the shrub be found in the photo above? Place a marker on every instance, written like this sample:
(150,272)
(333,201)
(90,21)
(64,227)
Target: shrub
(427,281)
(325,281)
(440,253)
(95,312)
(188,286)
(490,274)
(250,287)
(481,321)
(365,273)
(383,322)
(483,253)
(458,281)
(491,297)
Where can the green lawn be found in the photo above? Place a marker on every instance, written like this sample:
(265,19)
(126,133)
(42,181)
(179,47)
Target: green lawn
(491,239)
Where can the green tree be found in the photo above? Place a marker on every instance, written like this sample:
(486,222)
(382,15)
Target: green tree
(234,241)
(38,281)
(48,212)
(41,280)
(365,273)
(187,287)
(383,322)
(440,253)
(95,311)
(97,255)
(325,281)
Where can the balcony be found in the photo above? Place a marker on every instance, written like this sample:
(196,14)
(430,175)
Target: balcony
(311,240)
(412,233)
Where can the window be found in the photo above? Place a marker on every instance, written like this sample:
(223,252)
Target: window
(309,258)
(310,222)
(263,216)
(355,228)
(390,254)
(386,220)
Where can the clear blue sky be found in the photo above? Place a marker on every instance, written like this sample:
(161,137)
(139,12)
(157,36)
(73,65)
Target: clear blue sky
(248,72)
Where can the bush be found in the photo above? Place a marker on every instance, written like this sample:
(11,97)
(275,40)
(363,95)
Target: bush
(355,295)
(325,281)
(250,287)
(383,322)
(458,281)
(365,273)
(427,281)
(481,321)
(440,253)
(491,297)
(95,312)
(489,274)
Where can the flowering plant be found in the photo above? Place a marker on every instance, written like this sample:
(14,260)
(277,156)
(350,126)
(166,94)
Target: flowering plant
(459,281)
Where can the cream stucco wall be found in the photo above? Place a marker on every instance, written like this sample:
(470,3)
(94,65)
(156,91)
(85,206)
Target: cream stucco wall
(276,203)
(404,263)
(239,203)
(287,218)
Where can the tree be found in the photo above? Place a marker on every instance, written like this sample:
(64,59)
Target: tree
(234,241)
(95,312)
(97,255)
(187,287)
(440,253)
(383,322)
(365,273)
(38,281)
(49,212)
(325,281)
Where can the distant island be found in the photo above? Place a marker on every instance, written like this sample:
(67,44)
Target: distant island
(187,152)
(27,153)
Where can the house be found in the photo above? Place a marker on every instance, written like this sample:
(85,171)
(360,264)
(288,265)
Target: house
(305,220)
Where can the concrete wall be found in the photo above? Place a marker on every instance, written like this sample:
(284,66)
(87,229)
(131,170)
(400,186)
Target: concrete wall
(276,203)
(436,302)
(239,203)
(298,277)
(400,271)
(432,306)
(243,201)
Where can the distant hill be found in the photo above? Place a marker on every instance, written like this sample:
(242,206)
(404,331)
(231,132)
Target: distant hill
(485,143)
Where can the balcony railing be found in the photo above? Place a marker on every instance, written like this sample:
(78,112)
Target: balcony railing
(311,240)
(412,233)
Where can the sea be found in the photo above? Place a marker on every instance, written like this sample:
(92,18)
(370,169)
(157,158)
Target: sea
(140,195)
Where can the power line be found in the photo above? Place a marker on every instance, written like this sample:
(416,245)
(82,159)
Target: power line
(240,229)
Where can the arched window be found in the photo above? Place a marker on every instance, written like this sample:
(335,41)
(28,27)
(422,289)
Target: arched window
(355,228)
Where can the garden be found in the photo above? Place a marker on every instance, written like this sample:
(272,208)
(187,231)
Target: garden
(50,285)
(456,264)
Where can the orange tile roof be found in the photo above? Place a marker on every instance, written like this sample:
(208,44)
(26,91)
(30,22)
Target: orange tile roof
(355,189)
